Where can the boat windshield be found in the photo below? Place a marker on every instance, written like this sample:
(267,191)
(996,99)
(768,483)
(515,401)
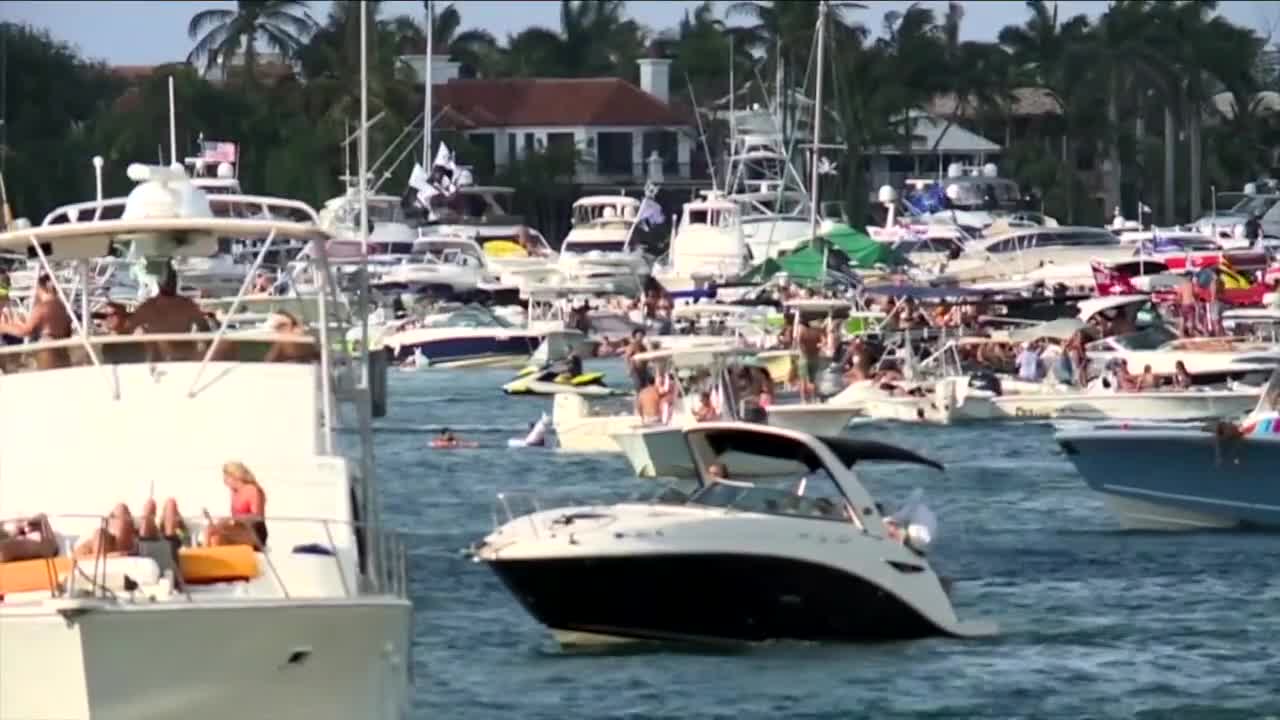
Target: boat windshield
(1255,204)
(586,246)
(1153,338)
(811,495)
(471,317)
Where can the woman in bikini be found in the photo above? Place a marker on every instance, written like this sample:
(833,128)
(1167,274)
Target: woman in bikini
(247,525)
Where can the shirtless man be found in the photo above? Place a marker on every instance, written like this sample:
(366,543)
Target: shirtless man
(1186,308)
(649,403)
(809,345)
(48,320)
(168,312)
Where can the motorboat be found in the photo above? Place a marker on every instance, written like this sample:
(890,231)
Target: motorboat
(580,427)
(598,249)
(472,336)
(805,555)
(314,622)
(708,245)
(1058,254)
(1186,478)
(655,450)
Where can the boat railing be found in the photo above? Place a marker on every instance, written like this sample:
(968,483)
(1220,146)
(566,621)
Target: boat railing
(67,574)
(504,503)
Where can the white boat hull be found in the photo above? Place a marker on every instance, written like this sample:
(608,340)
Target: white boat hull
(1163,405)
(288,659)
(812,419)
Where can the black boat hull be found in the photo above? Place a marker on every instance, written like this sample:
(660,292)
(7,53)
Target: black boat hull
(709,597)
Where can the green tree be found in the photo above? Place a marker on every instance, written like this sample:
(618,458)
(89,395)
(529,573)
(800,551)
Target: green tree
(280,25)
(594,39)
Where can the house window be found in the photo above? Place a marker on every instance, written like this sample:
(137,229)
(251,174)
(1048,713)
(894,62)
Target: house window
(614,153)
(484,144)
(511,148)
(561,143)
(528,143)
(667,146)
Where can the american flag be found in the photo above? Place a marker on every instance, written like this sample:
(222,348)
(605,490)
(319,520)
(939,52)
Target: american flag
(218,151)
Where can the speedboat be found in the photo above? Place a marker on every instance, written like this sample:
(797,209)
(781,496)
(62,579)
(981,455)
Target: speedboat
(1180,478)
(806,555)
(313,621)
(469,337)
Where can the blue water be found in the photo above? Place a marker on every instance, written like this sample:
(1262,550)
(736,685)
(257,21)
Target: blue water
(1095,622)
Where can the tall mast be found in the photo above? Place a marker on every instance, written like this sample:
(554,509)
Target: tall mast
(428,66)
(814,190)
(733,124)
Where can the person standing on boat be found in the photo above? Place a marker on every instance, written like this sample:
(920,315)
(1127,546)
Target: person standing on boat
(1029,367)
(636,368)
(1186,308)
(48,320)
(167,311)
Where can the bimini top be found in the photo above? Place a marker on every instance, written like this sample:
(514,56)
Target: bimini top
(695,357)
(174,237)
(709,442)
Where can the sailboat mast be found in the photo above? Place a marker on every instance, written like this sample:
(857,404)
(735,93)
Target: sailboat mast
(733,124)
(427,73)
(814,193)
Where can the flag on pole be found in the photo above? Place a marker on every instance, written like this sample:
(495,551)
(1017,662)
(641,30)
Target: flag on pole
(418,179)
(650,214)
(218,151)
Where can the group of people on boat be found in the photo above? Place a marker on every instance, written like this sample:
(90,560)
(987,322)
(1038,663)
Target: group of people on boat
(166,312)
(121,531)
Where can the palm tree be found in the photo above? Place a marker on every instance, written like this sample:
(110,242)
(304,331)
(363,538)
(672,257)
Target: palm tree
(476,50)
(1050,55)
(280,25)
(977,77)
(594,39)
(701,47)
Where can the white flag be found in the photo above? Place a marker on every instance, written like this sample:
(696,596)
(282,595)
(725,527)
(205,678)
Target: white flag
(444,158)
(418,179)
(1144,208)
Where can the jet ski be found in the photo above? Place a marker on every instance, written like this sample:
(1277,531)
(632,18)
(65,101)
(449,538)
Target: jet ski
(559,378)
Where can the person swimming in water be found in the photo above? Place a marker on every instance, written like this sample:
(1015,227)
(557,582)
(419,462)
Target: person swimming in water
(446,440)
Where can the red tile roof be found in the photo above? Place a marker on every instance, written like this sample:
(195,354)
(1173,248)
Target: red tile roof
(555,102)
(133,72)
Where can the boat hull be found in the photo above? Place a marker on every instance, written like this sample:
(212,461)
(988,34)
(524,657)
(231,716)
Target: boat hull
(713,597)
(488,350)
(1179,479)
(813,419)
(197,661)
(1170,406)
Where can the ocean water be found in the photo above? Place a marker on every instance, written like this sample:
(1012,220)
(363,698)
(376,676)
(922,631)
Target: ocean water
(1096,622)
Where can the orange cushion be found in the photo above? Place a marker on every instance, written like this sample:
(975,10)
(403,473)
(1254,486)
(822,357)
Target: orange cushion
(218,564)
(30,575)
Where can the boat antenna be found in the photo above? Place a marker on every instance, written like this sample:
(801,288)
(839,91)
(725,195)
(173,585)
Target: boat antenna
(814,194)
(702,134)
(369,505)
(173,126)
(97,180)
(733,125)
(427,78)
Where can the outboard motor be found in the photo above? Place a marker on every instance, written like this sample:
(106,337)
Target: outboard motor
(986,380)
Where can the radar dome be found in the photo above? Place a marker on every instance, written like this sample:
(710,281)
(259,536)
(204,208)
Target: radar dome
(955,170)
(953,192)
(1250,188)
(990,170)
(887,194)
(225,171)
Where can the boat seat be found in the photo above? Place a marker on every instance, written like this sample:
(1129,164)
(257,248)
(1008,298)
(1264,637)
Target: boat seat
(198,566)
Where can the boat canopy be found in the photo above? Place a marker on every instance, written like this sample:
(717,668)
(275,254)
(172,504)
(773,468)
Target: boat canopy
(1060,329)
(695,357)
(917,292)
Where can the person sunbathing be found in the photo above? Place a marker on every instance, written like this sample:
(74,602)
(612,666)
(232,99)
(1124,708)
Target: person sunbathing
(28,539)
(117,536)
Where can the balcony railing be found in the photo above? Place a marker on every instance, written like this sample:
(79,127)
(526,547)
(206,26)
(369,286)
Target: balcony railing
(590,173)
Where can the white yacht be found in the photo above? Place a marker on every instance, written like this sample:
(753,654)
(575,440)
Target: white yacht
(598,250)
(708,245)
(313,623)
(1058,254)
(804,555)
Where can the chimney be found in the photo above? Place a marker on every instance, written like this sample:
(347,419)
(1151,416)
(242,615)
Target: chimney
(655,74)
(442,68)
